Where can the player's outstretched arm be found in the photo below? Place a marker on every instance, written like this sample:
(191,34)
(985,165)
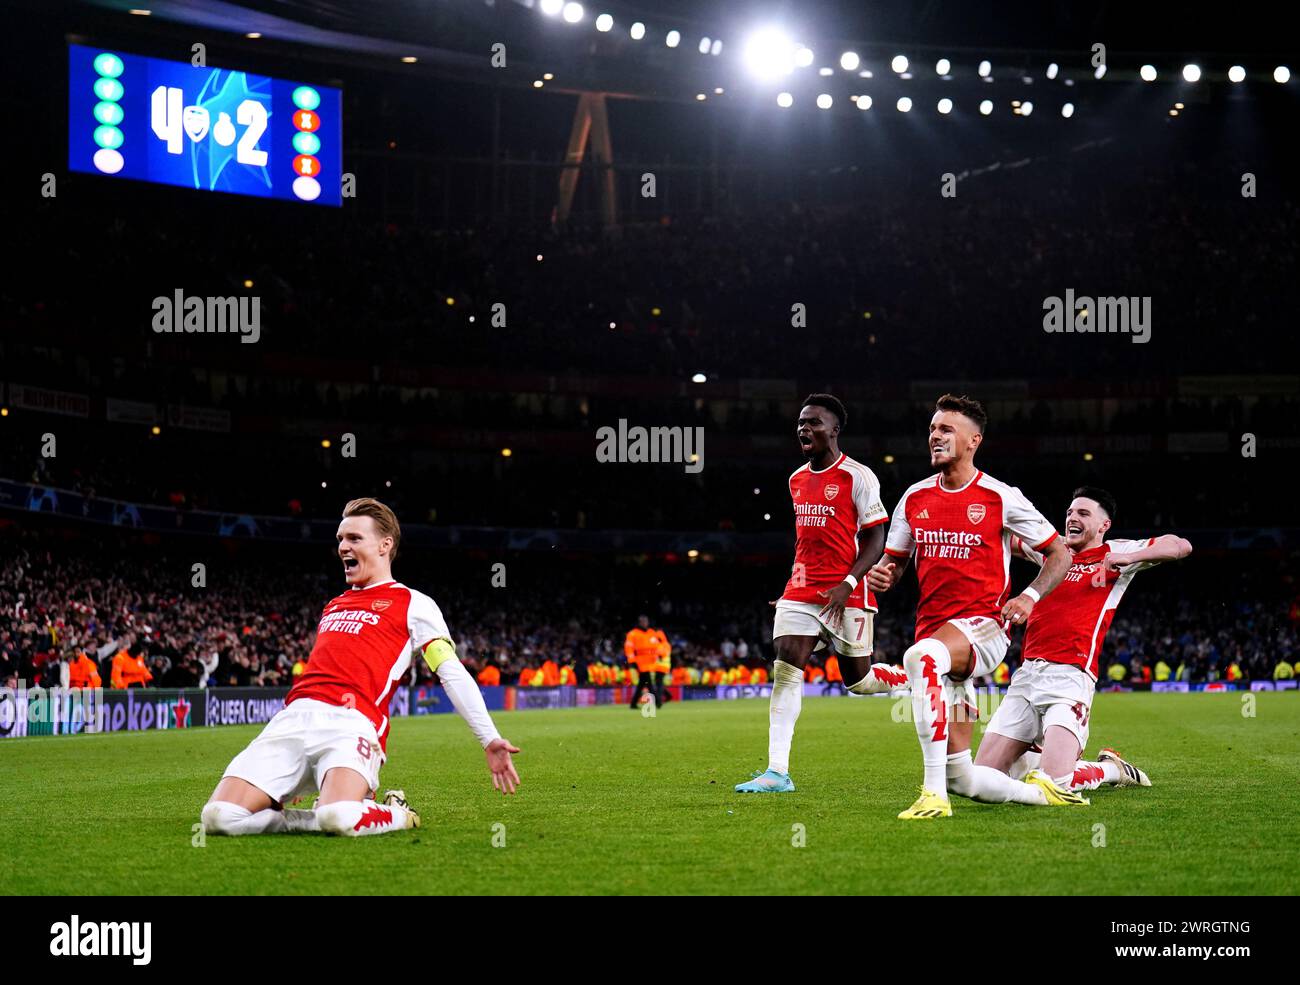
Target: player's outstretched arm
(1167,547)
(467,699)
(1056,562)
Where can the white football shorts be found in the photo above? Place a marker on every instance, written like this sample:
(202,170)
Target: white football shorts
(305,739)
(1042,694)
(853,638)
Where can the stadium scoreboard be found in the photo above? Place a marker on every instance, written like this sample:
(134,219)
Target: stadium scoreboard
(213,129)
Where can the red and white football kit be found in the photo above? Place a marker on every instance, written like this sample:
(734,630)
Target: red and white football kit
(962,542)
(336,714)
(1063,641)
(830,505)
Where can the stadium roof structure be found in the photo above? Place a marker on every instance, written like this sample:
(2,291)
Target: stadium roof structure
(455,39)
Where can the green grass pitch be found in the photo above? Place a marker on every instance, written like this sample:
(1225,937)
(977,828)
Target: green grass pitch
(615,803)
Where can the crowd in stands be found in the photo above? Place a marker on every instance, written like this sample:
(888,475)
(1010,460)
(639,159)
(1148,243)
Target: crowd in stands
(71,611)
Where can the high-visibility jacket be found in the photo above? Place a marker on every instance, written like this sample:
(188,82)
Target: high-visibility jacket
(664,663)
(1234,671)
(1001,675)
(1283,671)
(567,676)
(489,676)
(550,674)
(1163,671)
(814,674)
(681,675)
(299,667)
(83,672)
(760,675)
(645,648)
(129,670)
(833,669)
(1116,672)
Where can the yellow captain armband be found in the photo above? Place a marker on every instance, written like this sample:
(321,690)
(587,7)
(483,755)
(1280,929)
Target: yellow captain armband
(438,652)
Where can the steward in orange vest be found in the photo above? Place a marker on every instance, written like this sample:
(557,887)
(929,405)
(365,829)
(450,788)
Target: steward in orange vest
(649,650)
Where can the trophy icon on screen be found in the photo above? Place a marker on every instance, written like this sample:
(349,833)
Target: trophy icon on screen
(224,132)
(195,120)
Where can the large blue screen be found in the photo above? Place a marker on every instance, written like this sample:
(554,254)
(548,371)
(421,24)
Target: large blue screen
(208,128)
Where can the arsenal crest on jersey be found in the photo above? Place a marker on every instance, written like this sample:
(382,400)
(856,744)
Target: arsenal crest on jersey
(379,605)
(831,490)
(976,512)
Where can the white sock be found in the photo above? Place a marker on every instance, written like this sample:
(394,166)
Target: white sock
(927,663)
(880,679)
(221,817)
(360,817)
(1089,776)
(782,713)
(224,818)
(987,785)
(1027,761)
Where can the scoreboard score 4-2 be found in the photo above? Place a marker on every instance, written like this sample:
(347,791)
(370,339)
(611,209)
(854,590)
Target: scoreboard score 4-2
(213,129)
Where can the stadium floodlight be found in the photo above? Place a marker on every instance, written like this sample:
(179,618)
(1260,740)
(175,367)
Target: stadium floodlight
(704,46)
(985,69)
(552,7)
(825,71)
(986,107)
(573,12)
(717,47)
(1281,75)
(637,31)
(769,53)
(699,378)
(1052,69)
(701,96)
(605,23)
(899,64)
(1026,108)
(1236,74)
(784,100)
(824,101)
(945,106)
(1191,73)
(849,61)
(864,102)
(673,39)
(1148,73)
(1100,72)
(803,56)
(1067,110)
(942,67)
(904,104)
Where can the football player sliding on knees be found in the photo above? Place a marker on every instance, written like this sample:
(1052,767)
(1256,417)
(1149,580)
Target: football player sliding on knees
(839,533)
(332,734)
(958,524)
(1044,720)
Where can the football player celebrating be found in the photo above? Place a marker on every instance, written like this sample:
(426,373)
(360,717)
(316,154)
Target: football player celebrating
(839,533)
(332,733)
(1050,698)
(959,524)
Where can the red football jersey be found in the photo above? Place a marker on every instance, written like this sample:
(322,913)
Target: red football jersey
(830,507)
(1069,625)
(962,541)
(364,645)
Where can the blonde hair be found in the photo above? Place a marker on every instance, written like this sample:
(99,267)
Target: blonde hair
(385,519)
